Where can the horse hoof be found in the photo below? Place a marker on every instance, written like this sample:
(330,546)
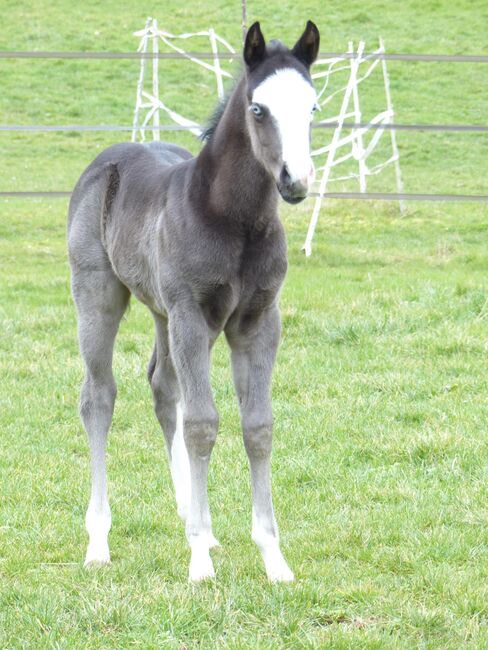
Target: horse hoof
(281,576)
(95,563)
(97,557)
(279,571)
(201,569)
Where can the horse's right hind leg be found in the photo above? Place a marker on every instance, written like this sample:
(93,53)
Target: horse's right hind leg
(164,385)
(101,300)
(167,404)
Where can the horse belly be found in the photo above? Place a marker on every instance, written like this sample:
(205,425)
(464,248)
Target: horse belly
(131,259)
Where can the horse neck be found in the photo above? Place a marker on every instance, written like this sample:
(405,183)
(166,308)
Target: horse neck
(236,185)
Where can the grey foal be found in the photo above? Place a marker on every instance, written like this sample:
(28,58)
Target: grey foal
(198,240)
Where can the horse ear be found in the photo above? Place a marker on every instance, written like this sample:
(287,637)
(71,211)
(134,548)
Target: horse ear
(254,47)
(307,46)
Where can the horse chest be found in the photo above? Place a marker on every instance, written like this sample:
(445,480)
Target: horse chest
(248,288)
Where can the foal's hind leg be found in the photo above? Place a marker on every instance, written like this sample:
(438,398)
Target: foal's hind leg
(168,407)
(101,300)
(164,384)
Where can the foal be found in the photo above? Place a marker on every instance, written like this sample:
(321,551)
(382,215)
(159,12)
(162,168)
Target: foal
(198,240)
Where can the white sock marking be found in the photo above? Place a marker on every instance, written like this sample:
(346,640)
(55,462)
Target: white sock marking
(201,565)
(180,467)
(275,564)
(98,526)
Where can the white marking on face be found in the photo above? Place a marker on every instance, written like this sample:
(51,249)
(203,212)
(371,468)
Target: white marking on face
(290,98)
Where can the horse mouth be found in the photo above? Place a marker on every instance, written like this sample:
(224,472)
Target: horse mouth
(290,196)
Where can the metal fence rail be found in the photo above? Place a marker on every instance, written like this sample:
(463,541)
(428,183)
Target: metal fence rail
(360,196)
(441,58)
(368,196)
(48,128)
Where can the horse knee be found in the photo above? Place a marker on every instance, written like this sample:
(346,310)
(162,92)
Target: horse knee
(258,441)
(201,433)
(97,398)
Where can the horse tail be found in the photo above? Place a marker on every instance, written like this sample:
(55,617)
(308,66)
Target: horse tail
(112,185)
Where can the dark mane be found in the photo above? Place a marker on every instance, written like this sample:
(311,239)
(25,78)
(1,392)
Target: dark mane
(274,50)
(214,119)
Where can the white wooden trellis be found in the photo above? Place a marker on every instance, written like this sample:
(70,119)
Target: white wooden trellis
(152,101)
(353,143)
(355,140)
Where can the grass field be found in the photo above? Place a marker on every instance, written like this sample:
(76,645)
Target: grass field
(380,392)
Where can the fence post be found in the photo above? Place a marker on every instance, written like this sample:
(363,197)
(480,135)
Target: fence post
(357,143)
(155,49)
(143,48)
(307,247)
(218,69)
(244,21)
(389,106)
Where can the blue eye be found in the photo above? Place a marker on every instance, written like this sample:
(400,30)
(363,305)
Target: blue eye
(256,110)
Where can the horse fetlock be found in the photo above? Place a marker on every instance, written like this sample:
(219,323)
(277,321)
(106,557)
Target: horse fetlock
(98,524)
(275,564)
(98,521)
(265,537)
(201,565)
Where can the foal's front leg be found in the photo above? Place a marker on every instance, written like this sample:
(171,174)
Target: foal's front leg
(253,358)
(190,343)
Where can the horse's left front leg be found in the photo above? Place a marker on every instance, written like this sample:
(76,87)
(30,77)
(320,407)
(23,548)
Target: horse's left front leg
(253,358)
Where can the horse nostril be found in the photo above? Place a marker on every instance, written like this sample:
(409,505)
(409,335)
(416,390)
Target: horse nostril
(285,176)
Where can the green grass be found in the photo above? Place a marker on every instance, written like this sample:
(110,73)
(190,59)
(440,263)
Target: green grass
(380,390)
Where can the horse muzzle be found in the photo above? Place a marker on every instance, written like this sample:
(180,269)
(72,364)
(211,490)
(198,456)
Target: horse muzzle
(294,191)
(292,195)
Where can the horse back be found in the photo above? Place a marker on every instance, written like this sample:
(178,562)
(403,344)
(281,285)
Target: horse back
(139,169)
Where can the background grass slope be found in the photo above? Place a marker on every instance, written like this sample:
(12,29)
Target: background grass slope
(380,391)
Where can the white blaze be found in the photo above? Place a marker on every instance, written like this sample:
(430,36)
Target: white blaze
(290,99)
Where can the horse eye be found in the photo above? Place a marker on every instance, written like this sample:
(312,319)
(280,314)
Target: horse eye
(315,108)
(256,109)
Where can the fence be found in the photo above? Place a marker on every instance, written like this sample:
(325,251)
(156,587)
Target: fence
(426,58)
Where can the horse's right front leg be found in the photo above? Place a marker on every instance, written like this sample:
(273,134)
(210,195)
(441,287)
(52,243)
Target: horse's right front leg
(190,344)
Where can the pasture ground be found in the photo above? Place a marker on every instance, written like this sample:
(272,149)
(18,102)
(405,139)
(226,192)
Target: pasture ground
(380,390)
